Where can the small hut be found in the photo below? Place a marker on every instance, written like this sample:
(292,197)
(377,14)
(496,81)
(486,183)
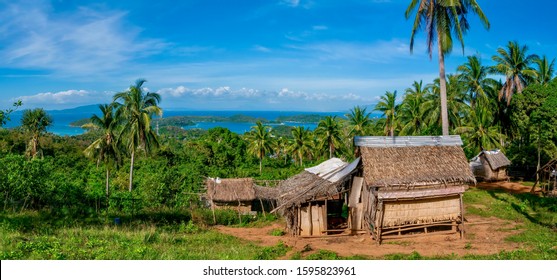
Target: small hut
(413,184)
(547,178)
(237,194)
(312,201)
(490,165)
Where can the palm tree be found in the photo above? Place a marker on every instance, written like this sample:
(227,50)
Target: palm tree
(359,121)
(411,112)
(281,146)
(514,64)
(456,103)
(260,142)
(330,132)
(136,108)
(35,122)
(441,20)
(105,148)
(545,70)
(302,144)
(387,105)
(474,75)
(480,130)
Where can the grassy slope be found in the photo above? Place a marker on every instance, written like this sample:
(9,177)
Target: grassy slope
(39,236)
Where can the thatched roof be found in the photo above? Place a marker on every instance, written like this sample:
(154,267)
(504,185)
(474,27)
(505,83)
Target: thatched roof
(496,159)
(230,190)
(268,193)
(427,161)
(307,186)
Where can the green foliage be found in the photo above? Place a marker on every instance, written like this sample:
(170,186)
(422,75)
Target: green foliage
(272,253)
(277,232)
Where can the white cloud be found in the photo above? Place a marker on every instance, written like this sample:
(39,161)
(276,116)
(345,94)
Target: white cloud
(65,98)
(291,3)
(260,48)
(86,41)
(320,27)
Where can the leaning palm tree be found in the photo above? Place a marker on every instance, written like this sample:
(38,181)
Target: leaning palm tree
(35,122)
(105,148)
(457,100)
(359,121)
(136,108)
(514,63)
(302,144)
(330,134)
(545,70)
(260,142)
(387,105)
(441,19)
(474,75)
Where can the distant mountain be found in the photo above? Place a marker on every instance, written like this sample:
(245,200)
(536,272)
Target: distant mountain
(87,109)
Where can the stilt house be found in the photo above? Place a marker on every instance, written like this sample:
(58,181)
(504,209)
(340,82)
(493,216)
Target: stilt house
(412,184)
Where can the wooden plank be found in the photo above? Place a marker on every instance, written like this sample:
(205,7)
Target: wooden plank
(305,222)
(356,191)
(324,217)
(316,220)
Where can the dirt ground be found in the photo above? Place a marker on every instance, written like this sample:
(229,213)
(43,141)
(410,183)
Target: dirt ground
(482,236)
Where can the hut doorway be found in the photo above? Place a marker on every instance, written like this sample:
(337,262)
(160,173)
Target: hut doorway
(323,217)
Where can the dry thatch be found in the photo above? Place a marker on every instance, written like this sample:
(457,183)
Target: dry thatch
(415,165)
(267,193)
(495,159)
(305,187)
(230,190)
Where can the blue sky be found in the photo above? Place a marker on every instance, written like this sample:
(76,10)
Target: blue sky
(238,55)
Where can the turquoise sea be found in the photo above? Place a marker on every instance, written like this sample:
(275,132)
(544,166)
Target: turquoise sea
(63,118)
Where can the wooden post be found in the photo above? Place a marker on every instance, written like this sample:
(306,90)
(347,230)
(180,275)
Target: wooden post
(461,217)
(310,219)
(380,223)
(262,208)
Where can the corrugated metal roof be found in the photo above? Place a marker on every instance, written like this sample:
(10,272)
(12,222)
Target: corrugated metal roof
(407,141)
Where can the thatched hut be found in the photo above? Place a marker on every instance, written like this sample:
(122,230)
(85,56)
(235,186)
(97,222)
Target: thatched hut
(412,184)
(547,178)
(237,194)
(312,201)
(490,165)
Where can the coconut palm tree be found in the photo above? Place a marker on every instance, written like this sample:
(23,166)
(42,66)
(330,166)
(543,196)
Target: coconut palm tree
(302,144)
(456,103)
(411,110)
(330,134)
(359,121)
(545,70)
(260,142)
(281,148)
(136,108)
(480,130)
(440,20)
(105,148)
(387,105)
(474,75)
(514,63)
(35,122)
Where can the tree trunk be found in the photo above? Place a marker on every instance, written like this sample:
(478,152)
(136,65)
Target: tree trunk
(260,166)
(131,170)
(107,175)
(443,88)
(331,147)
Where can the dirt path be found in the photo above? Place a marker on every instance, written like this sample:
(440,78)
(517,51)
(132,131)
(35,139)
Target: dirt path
(482,236)
(512,187)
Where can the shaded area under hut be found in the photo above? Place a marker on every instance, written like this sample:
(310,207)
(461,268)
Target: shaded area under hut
(413,184)
(313,202)
(490,166)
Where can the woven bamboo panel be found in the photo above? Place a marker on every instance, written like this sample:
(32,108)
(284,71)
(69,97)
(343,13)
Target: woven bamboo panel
(423,211)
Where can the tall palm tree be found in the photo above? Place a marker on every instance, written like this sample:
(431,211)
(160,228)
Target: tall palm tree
(136,108)
(260,142)
(545,70)
(387,105)
(35,122)
(441,19)
(359,121)
(302,144)
(330,134)
(281,147)
(474,75)
(105,148)
(411,110)
(514,63)
(480,130)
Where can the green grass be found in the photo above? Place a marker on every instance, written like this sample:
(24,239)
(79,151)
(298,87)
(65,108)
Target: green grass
(34,236)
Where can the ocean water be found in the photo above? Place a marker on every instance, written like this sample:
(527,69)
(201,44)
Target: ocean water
(63,118)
